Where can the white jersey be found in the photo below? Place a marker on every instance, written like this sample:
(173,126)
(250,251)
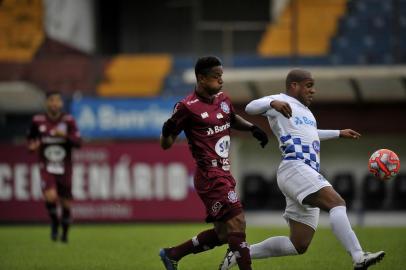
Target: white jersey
(298,136)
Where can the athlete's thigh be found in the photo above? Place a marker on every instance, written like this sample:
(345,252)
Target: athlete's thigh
(326,199)
(50,195)
(49,187)
(64,186)
(297,180)
(304,214)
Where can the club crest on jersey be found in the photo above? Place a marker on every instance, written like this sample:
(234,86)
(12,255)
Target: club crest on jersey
(204,115)
(232,196)
(316,146)
(224,107)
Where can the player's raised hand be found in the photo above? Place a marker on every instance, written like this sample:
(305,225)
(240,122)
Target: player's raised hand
(33,145)
(260,135)
(282,107)
(349,133)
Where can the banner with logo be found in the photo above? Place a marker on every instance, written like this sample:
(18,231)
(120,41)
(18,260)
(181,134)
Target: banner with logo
(111,182)
(121,118)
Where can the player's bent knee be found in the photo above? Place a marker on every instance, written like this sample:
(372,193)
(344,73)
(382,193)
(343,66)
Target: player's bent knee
(301,248)
(221,231)
(222,237)
(50,196)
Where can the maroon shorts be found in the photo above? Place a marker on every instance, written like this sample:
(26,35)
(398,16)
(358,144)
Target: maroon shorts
(217,191)
(62,183)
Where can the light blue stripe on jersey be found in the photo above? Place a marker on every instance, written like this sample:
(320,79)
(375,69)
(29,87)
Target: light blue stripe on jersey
(293,149)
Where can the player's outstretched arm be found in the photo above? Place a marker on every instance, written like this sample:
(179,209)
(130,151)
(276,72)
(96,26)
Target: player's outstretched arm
(349,133)
(259,106)
(262,105)
(240,123)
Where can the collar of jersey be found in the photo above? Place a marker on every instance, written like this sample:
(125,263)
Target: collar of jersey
(294,100)
(204,99)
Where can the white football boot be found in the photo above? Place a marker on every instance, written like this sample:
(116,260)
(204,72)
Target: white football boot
(368,259)
(228,261)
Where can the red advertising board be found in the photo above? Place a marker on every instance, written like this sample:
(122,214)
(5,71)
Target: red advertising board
(130,181)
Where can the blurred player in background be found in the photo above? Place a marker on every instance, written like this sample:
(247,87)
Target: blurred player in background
(305,189)
(53,135)
(207,116)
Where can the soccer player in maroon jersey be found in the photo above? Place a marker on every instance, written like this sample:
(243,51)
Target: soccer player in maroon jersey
(53,135)
(207,116)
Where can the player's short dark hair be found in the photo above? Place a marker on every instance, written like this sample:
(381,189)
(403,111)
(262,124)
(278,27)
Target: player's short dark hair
(205,64)
(51,93)
(297,75)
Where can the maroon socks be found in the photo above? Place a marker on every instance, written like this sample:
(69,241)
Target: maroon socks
(238,245)
(203,241)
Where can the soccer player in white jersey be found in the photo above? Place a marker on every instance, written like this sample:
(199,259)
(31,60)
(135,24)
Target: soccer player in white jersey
(305,189)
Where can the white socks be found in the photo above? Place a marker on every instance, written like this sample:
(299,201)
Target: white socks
(342,230)
(273,247)
(282,246)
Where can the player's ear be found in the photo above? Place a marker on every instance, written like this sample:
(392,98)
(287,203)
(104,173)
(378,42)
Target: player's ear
(199,77)
(295,86)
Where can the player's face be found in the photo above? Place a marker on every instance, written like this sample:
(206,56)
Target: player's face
(213,81)
(305,91)
(54,104)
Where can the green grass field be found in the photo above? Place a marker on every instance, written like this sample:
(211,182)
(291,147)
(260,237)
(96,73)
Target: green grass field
(135,246)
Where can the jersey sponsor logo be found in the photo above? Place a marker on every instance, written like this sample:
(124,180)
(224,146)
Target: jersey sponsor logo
(304,121)
(226,164)
(232,196)
(223,146)
(216,208)
(55,155)
(50,140)
(204,115)
(224,107)
(316,146)
(217,129)
(321,178)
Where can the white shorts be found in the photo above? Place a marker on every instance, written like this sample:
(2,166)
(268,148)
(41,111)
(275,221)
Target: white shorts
(297,180)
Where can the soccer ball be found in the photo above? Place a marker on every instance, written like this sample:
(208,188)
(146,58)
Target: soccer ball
(384,164)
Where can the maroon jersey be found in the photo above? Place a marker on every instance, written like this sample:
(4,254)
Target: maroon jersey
(206,124)
(55,152)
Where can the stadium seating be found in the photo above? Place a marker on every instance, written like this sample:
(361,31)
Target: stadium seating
(21,29)
(369,33)
(313,37)
(135,75)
